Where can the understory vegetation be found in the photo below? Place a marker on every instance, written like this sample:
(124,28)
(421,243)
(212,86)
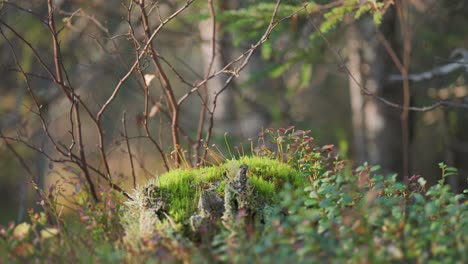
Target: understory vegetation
(320,208)
(113,116)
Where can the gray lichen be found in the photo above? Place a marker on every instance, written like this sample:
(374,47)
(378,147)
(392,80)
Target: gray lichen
(155,199)
(154,206)
(241,199)
(210,209)
(210,203)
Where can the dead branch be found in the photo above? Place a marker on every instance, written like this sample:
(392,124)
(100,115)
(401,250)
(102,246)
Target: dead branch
(461,63)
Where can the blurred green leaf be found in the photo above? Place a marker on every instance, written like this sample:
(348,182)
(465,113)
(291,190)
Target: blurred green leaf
(22,231)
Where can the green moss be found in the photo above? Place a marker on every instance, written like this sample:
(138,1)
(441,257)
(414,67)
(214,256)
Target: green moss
(182,187)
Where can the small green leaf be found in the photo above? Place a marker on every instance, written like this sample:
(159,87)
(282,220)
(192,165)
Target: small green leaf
(306,75)
(422,182)
(280,69)
(346,199)
(451,169)
(325,203)
(377,178)
(400,186)
(377,18)
(363,9)
(21,230)
(266,50)
(313,195)
(310,202)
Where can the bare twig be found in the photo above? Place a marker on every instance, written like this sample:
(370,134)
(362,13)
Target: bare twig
(26,167)
(83,162)
(130,157)
(166,85)
(29,11)
(73,161)
(135,64)
(63,150)
(204,92)
(31,93)
(147,96)
(57,53)
(461,63)
(68,91)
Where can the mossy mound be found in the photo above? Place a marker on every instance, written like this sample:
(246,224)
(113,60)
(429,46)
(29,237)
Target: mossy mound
(175,195)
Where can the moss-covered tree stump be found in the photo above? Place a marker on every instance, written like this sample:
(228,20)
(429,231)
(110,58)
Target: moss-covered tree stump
(193,204)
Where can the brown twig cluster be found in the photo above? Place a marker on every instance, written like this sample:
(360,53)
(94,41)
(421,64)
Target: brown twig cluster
(167,106)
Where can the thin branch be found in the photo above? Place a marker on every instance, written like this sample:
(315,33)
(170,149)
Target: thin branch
(72,97)
(124,128)
(30,74)
(66,89)
(147,96)
(438,71)
(204,97)
(73,161)
(32,94)
(135,64)
(28,170)
(29,11)
(57,52)
(18,157)
(34,51)
(166,85)
(81,150)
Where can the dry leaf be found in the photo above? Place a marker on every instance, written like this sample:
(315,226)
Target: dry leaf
(49,232)
(154,110)
(149,78)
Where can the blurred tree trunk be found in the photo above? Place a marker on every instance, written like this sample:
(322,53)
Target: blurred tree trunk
(225,108)
(226,117)
(376,126)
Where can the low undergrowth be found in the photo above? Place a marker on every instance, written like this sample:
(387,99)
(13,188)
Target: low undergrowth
(324,211)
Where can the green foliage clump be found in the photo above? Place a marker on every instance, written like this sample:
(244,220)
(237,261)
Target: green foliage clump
(355,8)
(363,216)
(252,20)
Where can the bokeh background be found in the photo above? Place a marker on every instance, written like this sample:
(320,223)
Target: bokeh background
(295,78)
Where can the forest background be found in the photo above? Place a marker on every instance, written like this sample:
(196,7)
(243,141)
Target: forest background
(383,81)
